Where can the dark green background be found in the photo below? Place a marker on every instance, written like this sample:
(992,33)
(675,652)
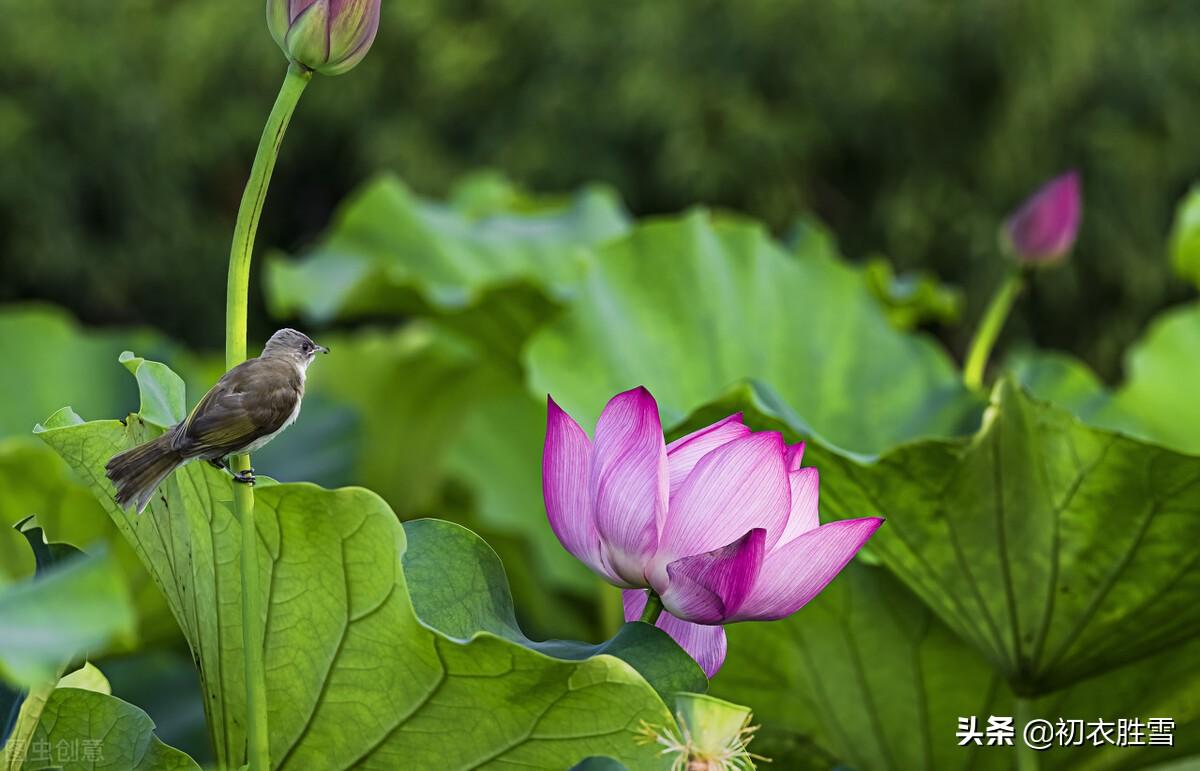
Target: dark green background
(127,126)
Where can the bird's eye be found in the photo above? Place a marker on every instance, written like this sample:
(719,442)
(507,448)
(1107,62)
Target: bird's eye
(307,348)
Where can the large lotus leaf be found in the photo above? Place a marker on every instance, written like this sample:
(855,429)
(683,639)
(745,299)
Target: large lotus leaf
(353,677)
(689,306)
(27,714)
(865,676)
(81,730)
(35,480)
(1059,550)
(391,251)
(50,358)
(458,587)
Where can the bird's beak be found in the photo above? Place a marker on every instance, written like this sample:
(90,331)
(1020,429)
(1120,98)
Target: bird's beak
(322,349)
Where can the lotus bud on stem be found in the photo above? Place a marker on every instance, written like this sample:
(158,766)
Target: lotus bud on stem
(329,37)
(1040,233)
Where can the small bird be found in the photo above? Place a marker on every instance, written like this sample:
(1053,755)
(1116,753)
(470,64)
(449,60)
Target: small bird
(248,407)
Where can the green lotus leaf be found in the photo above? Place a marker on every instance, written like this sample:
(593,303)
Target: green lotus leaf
(865,676)
(84,729)
(353,675)
(25,710)
(162,391)
(1058,550)
(458,587)
(689,306)
(492,258)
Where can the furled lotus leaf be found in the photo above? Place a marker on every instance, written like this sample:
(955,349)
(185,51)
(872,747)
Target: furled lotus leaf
(1058,550)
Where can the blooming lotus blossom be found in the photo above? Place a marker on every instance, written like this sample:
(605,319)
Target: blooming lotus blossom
(721,524)
(1043,230)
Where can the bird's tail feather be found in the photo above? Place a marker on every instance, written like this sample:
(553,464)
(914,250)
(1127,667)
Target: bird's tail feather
(138,472)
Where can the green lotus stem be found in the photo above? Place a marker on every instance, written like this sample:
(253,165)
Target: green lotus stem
(653,609)
(258,754)
(1027,757)
(989,329)
(238,288)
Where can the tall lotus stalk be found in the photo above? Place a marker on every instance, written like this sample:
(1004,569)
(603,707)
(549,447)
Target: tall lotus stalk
(330,37)
(1040,233)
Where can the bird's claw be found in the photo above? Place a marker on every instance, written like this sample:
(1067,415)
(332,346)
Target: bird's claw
(245,476)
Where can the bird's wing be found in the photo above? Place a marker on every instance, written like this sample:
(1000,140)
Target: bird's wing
(250,401)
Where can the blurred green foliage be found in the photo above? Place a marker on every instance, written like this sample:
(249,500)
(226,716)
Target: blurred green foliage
(127,127)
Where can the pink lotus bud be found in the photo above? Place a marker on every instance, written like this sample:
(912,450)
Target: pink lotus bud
(1043,230)
(327,36)
(721,524)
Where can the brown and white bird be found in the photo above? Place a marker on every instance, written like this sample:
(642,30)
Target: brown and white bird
(248,407)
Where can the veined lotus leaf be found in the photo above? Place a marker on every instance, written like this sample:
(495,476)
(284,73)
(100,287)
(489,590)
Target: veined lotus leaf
(1059,550)
(353,675)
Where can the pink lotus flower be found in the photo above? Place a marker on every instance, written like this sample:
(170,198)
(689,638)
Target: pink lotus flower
(1043,230)
(721,524)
